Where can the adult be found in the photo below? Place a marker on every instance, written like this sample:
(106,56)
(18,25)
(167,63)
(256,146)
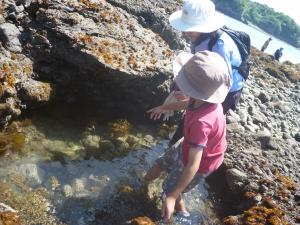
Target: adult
(265,45)
(201,23)
(278,54)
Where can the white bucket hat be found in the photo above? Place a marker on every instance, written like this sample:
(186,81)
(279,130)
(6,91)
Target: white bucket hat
(197,16)
(204,75)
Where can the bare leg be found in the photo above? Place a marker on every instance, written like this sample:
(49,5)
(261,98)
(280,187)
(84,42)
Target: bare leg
(179,205)
(153,173)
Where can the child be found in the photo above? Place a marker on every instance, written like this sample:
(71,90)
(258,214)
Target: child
(204,78)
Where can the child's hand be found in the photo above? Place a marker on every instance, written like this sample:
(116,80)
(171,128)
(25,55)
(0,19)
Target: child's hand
(156,112)
(168,208)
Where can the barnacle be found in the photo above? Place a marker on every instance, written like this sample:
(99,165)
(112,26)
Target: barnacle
(13,56)
(10,79)
(86,39)
(90,4)
(132,61)
(27,70)
(110,16)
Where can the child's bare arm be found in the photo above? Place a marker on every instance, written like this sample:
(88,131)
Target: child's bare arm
(195,155)
(156,112)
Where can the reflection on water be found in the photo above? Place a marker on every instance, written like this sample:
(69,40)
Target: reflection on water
(63,174)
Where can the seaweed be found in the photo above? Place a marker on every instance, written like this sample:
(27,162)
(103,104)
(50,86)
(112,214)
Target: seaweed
(120,128)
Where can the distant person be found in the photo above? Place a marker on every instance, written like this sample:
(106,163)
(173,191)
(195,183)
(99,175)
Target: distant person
(278,54)
(263,48)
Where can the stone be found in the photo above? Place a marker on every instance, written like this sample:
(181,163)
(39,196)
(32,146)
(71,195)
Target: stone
(264,97)
(36,93)
(297,136)
(91,142)
(106,145)
(67,191)
(143,220)
(243,114)
(232,117)
(32,172)
(121,145)
(9,36)
(235,128)
(78,185)
(235,179)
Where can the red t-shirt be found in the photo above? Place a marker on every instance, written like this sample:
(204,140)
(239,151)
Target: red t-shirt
(205,127)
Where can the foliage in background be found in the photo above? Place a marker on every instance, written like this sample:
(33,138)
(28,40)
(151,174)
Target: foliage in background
(275,23)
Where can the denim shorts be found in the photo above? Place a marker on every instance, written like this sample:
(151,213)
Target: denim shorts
(171,162)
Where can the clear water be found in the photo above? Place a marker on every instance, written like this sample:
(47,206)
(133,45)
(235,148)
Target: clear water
(258,38)
(78,188)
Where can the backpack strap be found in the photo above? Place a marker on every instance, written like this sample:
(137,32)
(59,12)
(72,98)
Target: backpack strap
(202,38)
(214,37)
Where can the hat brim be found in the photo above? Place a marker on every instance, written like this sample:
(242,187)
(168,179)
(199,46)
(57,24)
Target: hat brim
(185,85)
(216,22)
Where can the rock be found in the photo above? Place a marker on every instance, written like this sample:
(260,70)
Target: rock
(26,3)
(32,172)
(141,221)
(259,117)
(235,179)
(232,117)
(251,187)
(235,128)
(121,145)
(297,136)
(132,140)
(268,142)
(6,208)
(67,190)
(9,36)
(91,142)
(243,114)
(106,145)
(78,185)
(231,220)
(36,93)
(263,97)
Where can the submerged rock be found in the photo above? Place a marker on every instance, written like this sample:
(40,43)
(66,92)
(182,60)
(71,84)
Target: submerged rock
(141,221)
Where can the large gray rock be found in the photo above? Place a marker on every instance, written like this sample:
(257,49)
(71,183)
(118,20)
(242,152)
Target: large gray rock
(235,179)
(9,36)
(32,172)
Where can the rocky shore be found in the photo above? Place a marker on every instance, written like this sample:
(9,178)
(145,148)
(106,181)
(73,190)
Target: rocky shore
(116,55)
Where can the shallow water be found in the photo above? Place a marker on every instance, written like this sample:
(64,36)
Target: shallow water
(63,186)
